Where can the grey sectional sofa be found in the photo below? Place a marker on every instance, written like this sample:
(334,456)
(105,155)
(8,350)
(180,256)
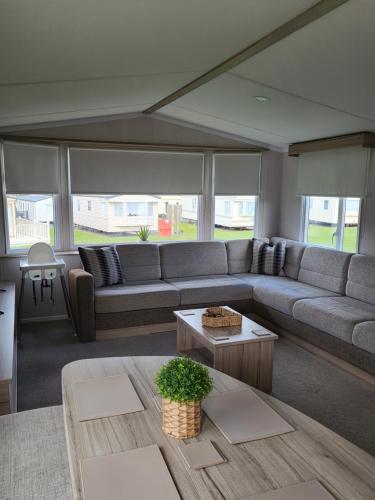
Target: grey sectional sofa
(326,297)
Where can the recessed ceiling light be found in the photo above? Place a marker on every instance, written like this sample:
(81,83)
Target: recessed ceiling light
(262,98)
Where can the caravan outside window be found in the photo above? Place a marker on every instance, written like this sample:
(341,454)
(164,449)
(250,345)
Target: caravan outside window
(31,218)
(118,218)
(235,217)
(332,222)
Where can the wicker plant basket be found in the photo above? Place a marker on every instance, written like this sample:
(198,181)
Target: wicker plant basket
(181,420)
(216,317)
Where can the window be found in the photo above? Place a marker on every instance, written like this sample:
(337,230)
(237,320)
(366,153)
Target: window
(89,205)
(168,217)
(30,219)
(118,209)
(226,207)
(237,223)
(103,209)
(332,222)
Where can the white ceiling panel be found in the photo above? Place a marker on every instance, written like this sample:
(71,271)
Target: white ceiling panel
(228,103)
(68,39)
(330,61)
(33,103)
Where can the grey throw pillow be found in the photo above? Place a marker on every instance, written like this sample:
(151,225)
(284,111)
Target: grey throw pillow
(268,259)
(103,263)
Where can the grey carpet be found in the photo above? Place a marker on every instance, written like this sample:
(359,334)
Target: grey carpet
(33,456)
(331,396)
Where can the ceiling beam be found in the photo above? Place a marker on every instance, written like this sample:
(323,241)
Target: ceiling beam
(318,10)
(364,139)
(135,146)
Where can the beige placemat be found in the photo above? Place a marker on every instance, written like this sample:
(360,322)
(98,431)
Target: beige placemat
(243,416)
(105,397)
(200,454)
(312,490)
(139,474)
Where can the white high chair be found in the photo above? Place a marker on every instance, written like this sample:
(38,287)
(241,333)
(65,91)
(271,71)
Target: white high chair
(42,265)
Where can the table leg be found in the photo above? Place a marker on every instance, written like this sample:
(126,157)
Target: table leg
(184,337)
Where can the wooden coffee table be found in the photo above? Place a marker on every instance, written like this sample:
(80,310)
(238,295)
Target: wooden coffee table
(242,355)
(310,452)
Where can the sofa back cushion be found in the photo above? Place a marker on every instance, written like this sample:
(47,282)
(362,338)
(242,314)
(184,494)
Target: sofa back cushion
(325,268)
(193,258)
(361,278)
(139,261)
(240,255)
(294,253)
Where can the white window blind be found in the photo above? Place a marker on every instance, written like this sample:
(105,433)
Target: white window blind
(31,168)
(237,174)
(335,172)
(99,171)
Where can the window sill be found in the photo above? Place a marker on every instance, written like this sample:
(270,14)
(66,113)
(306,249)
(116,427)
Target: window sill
(16,255)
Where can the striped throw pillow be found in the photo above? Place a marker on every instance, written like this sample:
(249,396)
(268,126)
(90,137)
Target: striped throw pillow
(268,259)
(103,263)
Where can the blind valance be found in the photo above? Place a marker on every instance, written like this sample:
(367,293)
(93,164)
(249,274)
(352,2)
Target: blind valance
(336,172)
(104,171)
(31,168)
(237,174)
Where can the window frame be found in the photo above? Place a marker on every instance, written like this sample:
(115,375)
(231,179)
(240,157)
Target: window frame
(306,205)
(56,216)
(63,207)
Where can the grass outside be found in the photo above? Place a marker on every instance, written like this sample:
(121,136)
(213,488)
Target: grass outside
(322,235)
(188,232)
(317,234)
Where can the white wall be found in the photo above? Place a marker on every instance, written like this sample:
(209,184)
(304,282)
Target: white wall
(269,203)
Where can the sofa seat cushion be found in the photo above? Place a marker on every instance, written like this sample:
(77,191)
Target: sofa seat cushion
(335,315)
(252,279)
(211,289)
(364,336)
(282,293)
(135,296)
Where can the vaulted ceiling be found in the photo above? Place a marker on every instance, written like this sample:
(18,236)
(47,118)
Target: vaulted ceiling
(62,60)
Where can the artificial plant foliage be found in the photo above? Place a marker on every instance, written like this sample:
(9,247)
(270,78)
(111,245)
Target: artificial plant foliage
(143,233)
(182,380)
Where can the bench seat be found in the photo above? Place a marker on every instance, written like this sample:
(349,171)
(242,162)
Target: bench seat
(334,315)
(133,296)
(211,289)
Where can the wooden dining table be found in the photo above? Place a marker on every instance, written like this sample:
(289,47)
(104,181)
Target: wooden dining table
(310,452)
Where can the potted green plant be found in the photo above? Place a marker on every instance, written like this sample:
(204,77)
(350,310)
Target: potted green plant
(143,233)
(182,384)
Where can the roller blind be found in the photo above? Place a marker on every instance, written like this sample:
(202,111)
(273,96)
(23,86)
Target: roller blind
(31,168)
(237,174)
(336,172)
(95,171)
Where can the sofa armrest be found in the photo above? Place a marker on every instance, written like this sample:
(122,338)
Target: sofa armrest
(81,290)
